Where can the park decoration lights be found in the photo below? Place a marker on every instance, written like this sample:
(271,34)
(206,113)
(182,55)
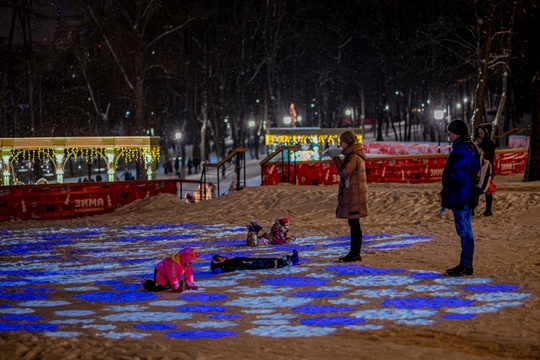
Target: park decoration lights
(143,149)
(308,139)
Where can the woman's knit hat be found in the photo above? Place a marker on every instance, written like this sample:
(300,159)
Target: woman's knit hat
(348,137)
(458,127)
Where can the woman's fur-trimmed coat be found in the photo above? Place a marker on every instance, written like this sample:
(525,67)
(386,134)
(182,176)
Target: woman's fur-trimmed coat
(352,195)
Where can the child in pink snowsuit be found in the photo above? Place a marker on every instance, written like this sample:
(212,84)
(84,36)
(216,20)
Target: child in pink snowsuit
(168,272)
(278,234)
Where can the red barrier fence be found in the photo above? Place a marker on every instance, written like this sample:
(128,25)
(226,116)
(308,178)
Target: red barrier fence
(59,201)
(402,169)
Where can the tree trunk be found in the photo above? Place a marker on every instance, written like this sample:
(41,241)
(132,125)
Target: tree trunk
(480,95)
(204,112)
(532,172)
(506,65)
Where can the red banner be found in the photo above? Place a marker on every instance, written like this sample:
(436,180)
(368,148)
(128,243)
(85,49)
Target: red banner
(59,201)
(408,170)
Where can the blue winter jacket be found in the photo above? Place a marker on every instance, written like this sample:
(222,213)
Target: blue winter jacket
(459,176)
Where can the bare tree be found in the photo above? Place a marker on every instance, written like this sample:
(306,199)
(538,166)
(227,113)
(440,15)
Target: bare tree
(138,17)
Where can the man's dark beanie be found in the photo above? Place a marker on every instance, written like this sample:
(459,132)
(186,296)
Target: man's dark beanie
(348,137)
(458,127)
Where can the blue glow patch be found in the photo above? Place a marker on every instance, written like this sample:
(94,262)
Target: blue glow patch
(29,318)
(286,331)
(13,283)
(150,317)
(258,311)
(347,301)
(379,280)
(429,288)
(491,288)
(271,322)
(458,316)
(99,327)
(375,294)
(449,294)
(126,308)
(116,335)
(109,282)
(317,294)
(126,287)
(217,283)
(354,269)
(74,312)
(112,297)
(203,297)
(16,311)
(394,314)
(62,334)
(318,309)
(390,246)
(331,321)
(369,327)
(82,288)
(27,327)
(265,302)
(294,281)
(430,303)
(212,324)
(23,297)
(169,303)
(201,309)
(449,280)
(499,296)
(416,322)
(73,321)
(426,275)
(154,326)
(259,290)
(200,334)
(41,303)
(277,316)
(224,316)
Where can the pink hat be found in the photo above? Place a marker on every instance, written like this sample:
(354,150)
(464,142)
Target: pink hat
(188,255)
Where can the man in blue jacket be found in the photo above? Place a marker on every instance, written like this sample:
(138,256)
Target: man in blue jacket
(459,191)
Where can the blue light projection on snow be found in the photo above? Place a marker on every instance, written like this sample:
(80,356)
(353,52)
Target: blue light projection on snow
(105,266)
(200,334)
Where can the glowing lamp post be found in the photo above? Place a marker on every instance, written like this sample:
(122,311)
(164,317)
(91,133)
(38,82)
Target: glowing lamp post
(439,115)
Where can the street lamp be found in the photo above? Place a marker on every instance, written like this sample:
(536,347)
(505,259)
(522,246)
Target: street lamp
(439,115)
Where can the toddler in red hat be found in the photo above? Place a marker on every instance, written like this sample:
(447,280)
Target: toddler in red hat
(168,272)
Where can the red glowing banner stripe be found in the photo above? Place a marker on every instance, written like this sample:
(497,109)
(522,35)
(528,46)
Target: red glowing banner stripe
(407,170)
(60,201)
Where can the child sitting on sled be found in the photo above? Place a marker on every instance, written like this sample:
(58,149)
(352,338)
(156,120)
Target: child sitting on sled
(168,272)
(224,264)
(278,234)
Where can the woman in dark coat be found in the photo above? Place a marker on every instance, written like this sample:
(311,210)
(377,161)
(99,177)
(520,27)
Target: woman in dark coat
(352,196)
(482,134)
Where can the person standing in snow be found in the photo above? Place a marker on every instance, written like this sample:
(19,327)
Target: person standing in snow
(482,135)
(459,191)
(352,194)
